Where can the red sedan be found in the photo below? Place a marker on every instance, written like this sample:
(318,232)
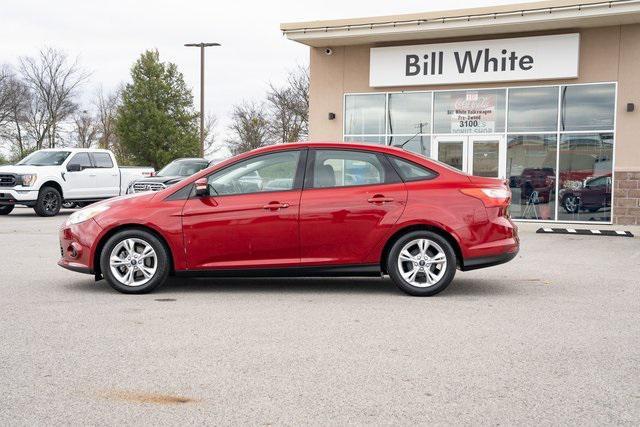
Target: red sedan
(303,209)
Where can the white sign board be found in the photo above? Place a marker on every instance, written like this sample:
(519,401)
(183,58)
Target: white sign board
(472,112)
(523,58)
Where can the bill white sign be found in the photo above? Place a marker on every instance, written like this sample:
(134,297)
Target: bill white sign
(523,58)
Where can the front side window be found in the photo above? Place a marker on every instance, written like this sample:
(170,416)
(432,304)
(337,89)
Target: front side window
(103,160)
(81,159)
(342,168)
(269,172)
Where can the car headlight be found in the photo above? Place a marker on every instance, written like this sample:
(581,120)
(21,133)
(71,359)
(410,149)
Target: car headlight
(28,179)
(85,214)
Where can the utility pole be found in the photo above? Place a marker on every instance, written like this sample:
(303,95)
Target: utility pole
(201,46)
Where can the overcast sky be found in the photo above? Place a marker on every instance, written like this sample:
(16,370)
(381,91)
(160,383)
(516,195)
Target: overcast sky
(107,36)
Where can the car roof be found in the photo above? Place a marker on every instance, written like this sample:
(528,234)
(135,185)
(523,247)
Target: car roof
(191,159)
(76,150)
(352,145)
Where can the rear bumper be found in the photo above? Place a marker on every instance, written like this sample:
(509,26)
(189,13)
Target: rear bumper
(487,261)
(18,197)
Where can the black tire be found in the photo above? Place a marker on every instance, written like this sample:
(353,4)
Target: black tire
(162,255)
(49,202)
(441,283)
(6,209)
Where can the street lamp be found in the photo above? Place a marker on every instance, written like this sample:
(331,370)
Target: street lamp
(201,46)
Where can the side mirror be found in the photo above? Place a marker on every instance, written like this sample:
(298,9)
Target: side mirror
(74,167)
(202,187)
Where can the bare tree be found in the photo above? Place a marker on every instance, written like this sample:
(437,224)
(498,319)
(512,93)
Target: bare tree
(5,93)
(298,81)
(15,103)
(210,134)
(54,82)
(85,129)
(249,127)
(107,107)
(289,107)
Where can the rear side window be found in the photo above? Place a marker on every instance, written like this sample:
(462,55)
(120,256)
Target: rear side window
(81,159)
(344,168)
(410,171)
(102,160)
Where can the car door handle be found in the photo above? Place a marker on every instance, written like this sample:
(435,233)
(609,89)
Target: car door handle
(379,198)
(274,206)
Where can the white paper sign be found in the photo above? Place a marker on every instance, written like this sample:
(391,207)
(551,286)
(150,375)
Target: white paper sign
(523,58)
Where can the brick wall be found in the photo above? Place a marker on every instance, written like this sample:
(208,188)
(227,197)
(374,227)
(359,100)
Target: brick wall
(627,198)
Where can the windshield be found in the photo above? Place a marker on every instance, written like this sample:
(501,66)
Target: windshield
(45,158)
(182,168)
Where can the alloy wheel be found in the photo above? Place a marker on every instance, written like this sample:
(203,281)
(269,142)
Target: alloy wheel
(422,263)
(50,202)
(133,262)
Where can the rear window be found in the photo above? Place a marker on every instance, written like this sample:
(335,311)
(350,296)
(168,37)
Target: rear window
(102,160)
(410,171)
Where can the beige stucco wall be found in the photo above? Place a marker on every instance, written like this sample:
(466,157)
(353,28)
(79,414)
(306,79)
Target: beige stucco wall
(606,54)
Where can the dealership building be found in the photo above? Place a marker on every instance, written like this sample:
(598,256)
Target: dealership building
(544,95)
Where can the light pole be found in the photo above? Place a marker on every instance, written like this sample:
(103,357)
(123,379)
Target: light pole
(201,46)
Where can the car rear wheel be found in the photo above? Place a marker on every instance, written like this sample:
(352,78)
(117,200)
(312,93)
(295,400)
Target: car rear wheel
(49,202)
(6,210)
(422,263)
(134,262)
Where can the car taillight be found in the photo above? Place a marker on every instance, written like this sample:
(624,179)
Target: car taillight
(491,197)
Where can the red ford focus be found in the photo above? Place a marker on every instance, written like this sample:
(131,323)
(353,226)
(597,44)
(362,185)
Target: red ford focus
(304,209)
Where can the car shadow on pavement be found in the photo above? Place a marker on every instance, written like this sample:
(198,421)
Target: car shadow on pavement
(349,285)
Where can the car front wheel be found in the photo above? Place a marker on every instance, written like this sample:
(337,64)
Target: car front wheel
(571,204)
(422,263)
(49,202)
(134,262)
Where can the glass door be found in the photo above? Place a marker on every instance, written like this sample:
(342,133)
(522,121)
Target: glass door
(482,155)
(451,150)
(487,156)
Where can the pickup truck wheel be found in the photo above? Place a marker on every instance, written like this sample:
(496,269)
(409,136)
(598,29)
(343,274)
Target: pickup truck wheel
(134,262)
(422,263)
(49,202)
(6,210)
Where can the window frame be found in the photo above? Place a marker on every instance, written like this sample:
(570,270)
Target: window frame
(389,171)
(297,179)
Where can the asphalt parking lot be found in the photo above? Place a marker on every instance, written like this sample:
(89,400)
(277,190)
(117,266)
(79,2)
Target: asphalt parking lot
(551,338)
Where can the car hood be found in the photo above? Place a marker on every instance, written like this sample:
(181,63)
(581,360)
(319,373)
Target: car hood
(162,179)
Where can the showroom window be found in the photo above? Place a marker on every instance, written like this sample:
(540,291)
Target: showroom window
(457,112)
(533,109)
(531,168)
(409,121)
(559,139)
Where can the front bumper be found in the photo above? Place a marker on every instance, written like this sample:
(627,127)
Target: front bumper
(12,196)
(77,246)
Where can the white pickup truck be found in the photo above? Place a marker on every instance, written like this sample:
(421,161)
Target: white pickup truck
(45,179)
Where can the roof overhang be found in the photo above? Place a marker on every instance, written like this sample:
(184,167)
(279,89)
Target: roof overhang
(523,17)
